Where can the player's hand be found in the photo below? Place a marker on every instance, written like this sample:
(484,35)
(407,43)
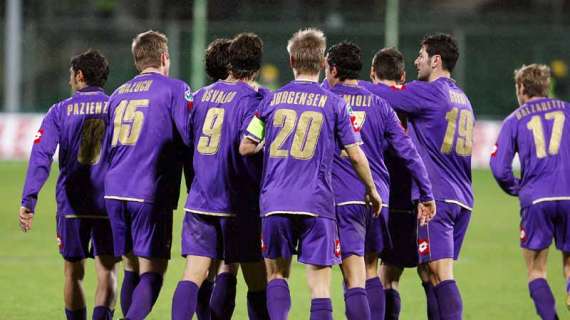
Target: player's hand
(25,216)
(374,199)
(426,212)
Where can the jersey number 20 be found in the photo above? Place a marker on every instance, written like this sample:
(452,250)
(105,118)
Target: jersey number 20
(306,134)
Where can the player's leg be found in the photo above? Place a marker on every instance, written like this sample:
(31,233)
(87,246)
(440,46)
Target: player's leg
(73,290)
(352,229)
(390,277)
(130,281)
(201,244)
(106,292)
(566,271)
(255,277)
(205,292)
(152,238)
(278,246)
(562,238)
(537,231)
(223,300)
(431,299)
(319,249)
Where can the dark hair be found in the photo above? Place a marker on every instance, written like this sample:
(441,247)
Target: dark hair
(93,65)
(217,59)
(443,45)
(345,56)
(246,51)
(147,48)
(388,64)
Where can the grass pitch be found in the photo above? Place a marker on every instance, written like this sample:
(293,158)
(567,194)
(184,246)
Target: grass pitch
(490,273)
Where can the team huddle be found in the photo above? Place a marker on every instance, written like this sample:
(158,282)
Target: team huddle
(346,172)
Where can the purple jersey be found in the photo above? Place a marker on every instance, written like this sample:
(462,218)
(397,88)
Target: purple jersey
(379,128)
(77,125)
(150,116)
(441,123)
(536,131)
(222,178)
(303,125)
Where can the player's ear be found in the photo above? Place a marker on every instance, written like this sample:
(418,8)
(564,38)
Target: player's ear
(372,74)
(403,77)
(79,76)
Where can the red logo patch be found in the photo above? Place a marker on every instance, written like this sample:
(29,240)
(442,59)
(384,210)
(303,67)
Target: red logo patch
(38,136)
(59,242)
(523,235)
(423,247)
(495,149)
(355,125)
(337,248)
(263,247)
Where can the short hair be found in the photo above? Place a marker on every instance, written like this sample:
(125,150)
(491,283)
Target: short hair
(217,59)
(535,78)
(147,48)
(444,45)
(306,49)
(246,51)
(388,64)
(93,65)
(346,57)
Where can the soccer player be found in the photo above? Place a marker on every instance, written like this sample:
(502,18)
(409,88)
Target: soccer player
(301,125)
(77,125)
(536,131)
(150,122)
(388,74)
(363,237)
(222,205)
(441,123)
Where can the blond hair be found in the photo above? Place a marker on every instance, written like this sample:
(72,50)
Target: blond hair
(535,79)
(307,49)
(147,49)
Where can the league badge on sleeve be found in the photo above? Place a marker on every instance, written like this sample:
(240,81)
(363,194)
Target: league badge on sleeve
(38,136)
(495,149)
(189,99)
(356,119)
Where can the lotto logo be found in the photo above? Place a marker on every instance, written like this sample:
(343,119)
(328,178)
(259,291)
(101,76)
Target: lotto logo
(59,242)
(337,248)
(523,235)
(495,148)
(38,136)
(423,247)
(263,247)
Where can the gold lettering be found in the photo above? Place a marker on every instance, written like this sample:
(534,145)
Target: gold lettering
(82,108)
(290,97)
(359,100)
(303,98)
(296,100)
(69,109)
(310,99)
(323,101)
(98,107)
(92,108)
(106,107)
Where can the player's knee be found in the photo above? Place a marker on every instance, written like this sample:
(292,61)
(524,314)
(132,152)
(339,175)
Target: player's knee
(255,276)
(536,273)
(74,271)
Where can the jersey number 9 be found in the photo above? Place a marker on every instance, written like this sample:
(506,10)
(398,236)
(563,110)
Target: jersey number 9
(209,142)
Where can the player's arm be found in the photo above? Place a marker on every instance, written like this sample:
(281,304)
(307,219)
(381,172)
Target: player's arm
(39,166)
(502,159)
(252,132)
(360,164)
(181,112)
(412,98)
(407,152)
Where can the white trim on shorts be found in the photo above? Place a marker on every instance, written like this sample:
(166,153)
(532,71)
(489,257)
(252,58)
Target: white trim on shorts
(84,216)
(346,203)
(539,200)
(209,213)
(300,213)
(462,205)
(124,198)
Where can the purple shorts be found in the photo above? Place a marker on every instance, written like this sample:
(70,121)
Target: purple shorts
(75,234)
(314,239)
(143,228)
(543,221)
(359,232)
(403,228)
(205,236)
(244,233)
(442,237)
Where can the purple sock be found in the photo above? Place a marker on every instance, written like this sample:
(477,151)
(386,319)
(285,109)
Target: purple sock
(278,299)
(184,300)
(102,313)
(145,295)
(392,304)
(257,305)
(204,295)
(80,314)
(130,282)
(376,298)
(223,300)
(431,299)
(449,300)
(543,299)
(356,303)
(568,286)
(321,309)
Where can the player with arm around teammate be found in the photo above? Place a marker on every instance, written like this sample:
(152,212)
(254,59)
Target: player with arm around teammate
(536,131)
(301,124)
(441,120)
(77,125)
(150,122)
(362,237)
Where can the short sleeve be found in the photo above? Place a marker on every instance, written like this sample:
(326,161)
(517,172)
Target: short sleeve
(345,130)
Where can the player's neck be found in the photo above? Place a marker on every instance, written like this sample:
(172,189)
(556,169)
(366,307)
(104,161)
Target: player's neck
(307,77)
(349,82)
(436,74)
(80,86)
(526,99)
(154,70)
(249,81)
(390,83)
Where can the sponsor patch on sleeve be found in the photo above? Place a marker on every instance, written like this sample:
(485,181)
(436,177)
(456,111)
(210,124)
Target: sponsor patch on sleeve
(189,99)
(495,149)
(38,136)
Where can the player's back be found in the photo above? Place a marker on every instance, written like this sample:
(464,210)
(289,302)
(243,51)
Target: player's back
(150,117)
(303,123)
(543,144)
(368,117)
(218,116)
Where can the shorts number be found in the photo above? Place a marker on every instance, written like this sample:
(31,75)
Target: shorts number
(464,130)
(209,142)
(306,134)
(128,121)
(535,126)
(92,134)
